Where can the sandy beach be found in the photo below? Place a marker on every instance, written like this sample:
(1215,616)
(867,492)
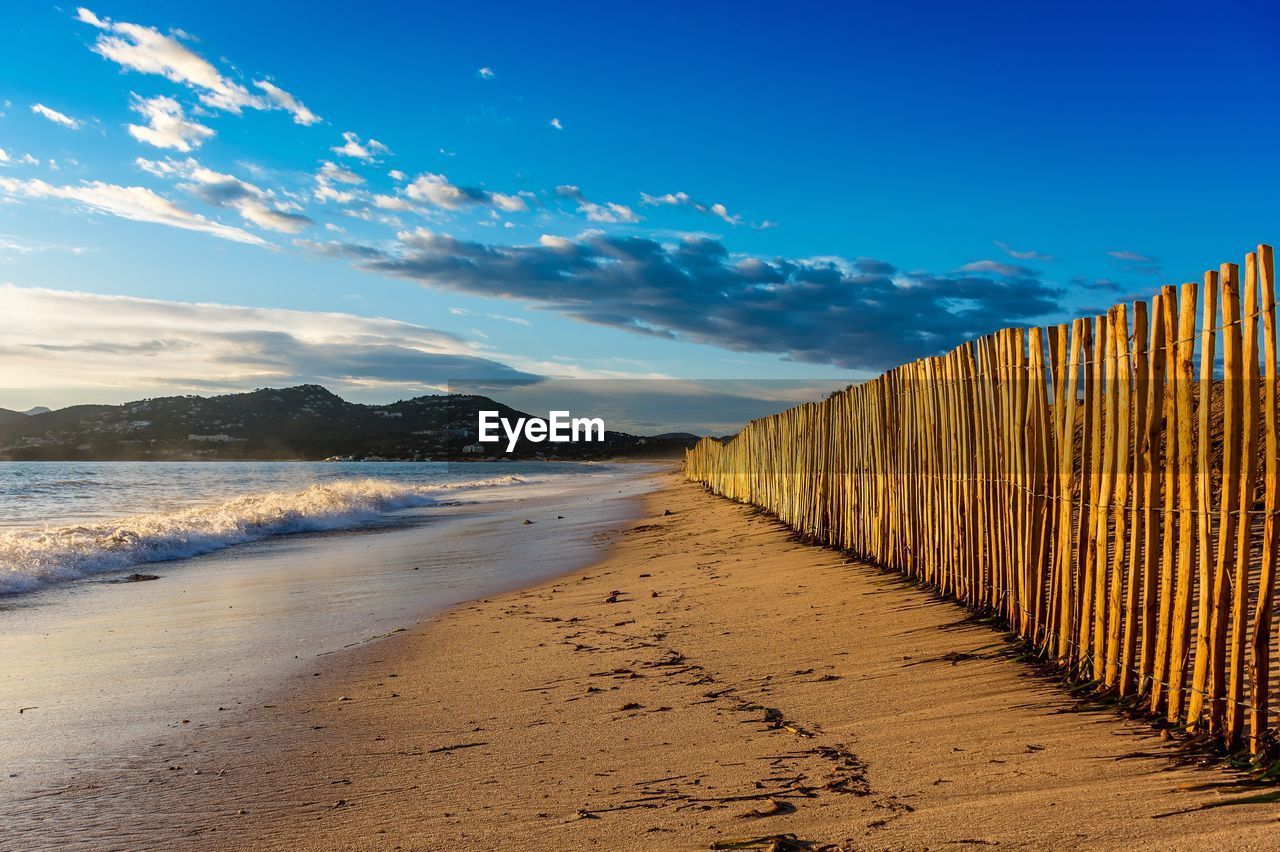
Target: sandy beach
(701,426)
(711,680)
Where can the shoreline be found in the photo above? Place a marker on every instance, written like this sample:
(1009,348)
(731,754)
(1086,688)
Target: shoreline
(102,671)
(708,679)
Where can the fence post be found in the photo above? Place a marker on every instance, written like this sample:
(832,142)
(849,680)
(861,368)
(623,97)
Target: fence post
(1230,503)
(1085,519)
(1208,340)
(1182,387)
(1141,471)
(1260,660)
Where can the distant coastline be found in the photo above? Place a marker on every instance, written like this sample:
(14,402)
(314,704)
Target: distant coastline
(303,423)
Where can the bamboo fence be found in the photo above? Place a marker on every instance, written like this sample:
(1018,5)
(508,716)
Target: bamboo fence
(1110,498)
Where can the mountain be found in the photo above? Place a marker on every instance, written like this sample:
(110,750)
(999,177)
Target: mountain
(10,416)
(300,423)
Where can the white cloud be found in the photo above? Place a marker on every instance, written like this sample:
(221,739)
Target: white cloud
(9,245)
(391,202)
(682,199)
(331,174)
(86,17)
(166,168)
(167,126)
(485,73)
(148,51)
(509,203)
(720,210)
(55,116)
(334,172)
(464,312)
(287,102)
(607,212)
(436,189)
(113,348)
(352,147)
(995,267)
(553,242)
(7,159)
(1023,255)
(1136,263)
(128,202)
(555,122)
(255,205)
(13,244)
(397,175)
(1131,256)
(326,192)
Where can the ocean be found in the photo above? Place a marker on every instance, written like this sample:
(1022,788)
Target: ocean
(262,568)
(66,521)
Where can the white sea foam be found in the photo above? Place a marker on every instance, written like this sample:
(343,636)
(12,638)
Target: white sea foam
(31,559)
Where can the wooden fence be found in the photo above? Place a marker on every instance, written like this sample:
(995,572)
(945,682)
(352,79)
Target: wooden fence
(1108,487)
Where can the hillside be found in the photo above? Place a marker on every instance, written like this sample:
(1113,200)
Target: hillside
(304,422)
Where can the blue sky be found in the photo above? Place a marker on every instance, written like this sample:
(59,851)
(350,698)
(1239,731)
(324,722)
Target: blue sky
(893,178)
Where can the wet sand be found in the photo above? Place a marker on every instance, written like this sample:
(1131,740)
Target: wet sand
(710,680)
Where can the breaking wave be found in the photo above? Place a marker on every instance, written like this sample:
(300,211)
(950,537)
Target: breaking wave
(32,559)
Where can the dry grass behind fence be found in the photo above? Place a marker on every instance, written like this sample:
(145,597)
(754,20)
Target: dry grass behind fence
(1109,487)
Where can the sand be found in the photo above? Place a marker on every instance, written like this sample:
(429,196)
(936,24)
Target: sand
(107,670)
(712,679)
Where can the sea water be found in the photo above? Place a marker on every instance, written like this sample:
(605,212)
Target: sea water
(262,569)
(63,521)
